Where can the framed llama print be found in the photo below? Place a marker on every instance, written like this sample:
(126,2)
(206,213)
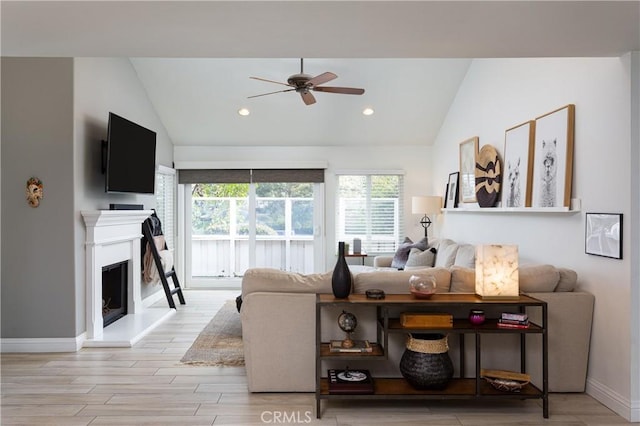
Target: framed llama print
(468,156)
(518,165)
(553,158)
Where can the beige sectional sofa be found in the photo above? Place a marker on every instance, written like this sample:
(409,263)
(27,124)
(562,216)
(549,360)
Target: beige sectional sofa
(279,324)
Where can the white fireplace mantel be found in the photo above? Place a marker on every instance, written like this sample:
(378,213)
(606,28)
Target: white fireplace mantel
(113,236)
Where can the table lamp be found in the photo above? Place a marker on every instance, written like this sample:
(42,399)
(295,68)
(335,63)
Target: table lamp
(426,205)
(497,271)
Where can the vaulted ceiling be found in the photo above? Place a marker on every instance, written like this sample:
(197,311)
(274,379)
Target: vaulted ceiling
(195,58)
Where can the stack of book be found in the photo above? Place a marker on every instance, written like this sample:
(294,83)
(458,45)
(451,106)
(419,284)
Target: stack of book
(513,320)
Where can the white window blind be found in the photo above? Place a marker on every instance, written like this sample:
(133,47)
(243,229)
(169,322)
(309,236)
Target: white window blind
(166,202)
(370,207)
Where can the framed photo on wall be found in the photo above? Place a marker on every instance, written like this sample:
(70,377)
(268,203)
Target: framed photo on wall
(451,199)
(603,235)
(553,158)
(518,165)
(468,155)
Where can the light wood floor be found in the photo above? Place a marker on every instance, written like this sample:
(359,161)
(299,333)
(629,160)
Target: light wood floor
(147,385)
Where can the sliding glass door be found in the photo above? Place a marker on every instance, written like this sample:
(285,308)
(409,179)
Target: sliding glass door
(234,227)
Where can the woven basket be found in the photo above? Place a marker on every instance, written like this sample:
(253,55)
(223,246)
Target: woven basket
(425,363)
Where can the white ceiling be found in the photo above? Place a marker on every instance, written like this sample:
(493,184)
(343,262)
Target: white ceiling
(195,58)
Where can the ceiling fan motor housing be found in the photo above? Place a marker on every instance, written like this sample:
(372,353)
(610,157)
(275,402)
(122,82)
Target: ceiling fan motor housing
(299,80)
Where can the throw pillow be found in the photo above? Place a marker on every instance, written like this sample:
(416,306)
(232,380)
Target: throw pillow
(447,250)
(402,254)
(419,259)
(466,256)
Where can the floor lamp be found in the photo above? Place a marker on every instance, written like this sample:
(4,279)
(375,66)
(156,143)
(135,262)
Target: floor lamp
(429,205)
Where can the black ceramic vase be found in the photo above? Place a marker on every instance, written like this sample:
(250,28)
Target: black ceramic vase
(341,278)
(425,363)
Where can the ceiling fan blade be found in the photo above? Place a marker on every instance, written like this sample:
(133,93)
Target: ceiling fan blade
(270,81)
(270,93)
(343,90)
(307,97)
(322,78)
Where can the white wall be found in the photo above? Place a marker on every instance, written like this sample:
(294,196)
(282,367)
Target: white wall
(634,159)
(414,160)
(499,94)
(103,85)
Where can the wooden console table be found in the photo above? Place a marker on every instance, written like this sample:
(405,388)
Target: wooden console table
(459,387)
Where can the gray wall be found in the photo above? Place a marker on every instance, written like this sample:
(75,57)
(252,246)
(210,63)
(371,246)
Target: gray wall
(38,294)
(54,115)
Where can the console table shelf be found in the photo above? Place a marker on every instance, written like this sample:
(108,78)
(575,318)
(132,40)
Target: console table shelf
(385,388)
(376,351)
(463,326)
(461,387)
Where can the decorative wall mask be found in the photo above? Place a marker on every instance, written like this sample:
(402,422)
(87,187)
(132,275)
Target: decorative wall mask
(34,191)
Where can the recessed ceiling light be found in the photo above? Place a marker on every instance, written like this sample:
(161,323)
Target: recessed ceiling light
(367,111)
(244,111)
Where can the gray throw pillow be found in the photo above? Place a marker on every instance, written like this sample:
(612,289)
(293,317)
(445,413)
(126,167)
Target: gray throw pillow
(420,258)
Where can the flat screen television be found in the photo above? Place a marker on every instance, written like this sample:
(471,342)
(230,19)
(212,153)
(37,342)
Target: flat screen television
(130,163)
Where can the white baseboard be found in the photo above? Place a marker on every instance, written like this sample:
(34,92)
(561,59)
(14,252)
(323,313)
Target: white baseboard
(47,344)
(150,300)
(613,400)
(63,344)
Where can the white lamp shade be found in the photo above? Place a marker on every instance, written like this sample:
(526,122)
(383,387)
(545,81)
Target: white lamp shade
(497,271)
(426,205)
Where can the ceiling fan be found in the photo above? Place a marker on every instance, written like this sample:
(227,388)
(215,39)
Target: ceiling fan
(304,84)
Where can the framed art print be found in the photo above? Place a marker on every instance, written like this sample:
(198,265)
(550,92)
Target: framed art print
(468,155)
(603,235)
(518,165)
(553,158)
(451,200)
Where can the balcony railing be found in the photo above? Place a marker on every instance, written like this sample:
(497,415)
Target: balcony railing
(223,256)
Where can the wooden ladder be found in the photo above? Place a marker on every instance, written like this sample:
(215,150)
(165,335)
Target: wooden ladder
(169,292)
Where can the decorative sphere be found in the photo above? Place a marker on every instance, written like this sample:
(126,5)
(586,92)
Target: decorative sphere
(422,286)
(347,322)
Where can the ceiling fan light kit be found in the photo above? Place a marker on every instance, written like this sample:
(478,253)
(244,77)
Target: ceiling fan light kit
(304,83)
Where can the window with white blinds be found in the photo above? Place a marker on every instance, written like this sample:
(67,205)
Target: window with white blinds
(166,202)
(370,207)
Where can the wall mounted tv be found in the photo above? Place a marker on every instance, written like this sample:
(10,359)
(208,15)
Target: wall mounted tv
(129,157)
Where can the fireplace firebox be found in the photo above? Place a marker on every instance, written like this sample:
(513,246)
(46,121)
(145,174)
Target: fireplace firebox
(114,292)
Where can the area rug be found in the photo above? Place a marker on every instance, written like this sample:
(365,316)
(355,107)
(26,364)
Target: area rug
(220,343)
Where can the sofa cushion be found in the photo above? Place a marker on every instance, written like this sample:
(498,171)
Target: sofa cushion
(402,253)
(568,280)
(463,280)
(447,250)
(275,280)
(466,256)
(533,278)
(538,278)
(420,258)
(397,282)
